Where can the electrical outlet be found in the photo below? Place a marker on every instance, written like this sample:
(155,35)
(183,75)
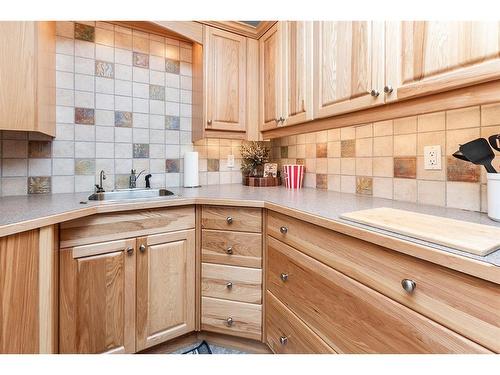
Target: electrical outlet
(432,157)
(230,161)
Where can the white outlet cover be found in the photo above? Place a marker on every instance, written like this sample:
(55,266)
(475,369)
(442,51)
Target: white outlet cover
(230,161)
(432,157)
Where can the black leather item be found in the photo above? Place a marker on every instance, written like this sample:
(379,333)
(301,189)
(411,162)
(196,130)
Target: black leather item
(479,152)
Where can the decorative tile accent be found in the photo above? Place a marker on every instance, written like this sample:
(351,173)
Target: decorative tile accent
(213,165)
(364,185)
(39,149)
(405,167)
(348,148)
(141,150)
(39,185)
(172,122)
(84,116)
(172,66)
(141,60)
(84,166)
(322,150)
(123,119)
(84,32)
(321,181)
(284,152)
(459,170)
(104,69)
(173,165)
(156,92)
(300,161)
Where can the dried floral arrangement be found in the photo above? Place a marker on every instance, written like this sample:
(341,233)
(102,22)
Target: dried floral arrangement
(254,155)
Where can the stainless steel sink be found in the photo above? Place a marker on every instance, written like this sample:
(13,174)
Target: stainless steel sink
(123,194)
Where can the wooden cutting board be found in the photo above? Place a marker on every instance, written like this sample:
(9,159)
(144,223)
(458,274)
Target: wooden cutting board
(472,238)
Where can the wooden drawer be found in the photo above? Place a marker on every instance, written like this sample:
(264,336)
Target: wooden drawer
(125,224)
(246,317)
(231,283)
(287,334)
(465,304)
(241,219)
(245,248)
(348,315)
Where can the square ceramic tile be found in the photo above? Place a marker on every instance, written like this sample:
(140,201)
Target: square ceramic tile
(490,114)
(431,122)
(432,192)
(463,195)
(405,145)
(382,187)
(463,118)
(364,185)
(406,125)
(405,189)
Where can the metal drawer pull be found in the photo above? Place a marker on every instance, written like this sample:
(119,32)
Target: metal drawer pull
(129,250)
(229,250)
(229,285)
(229,220)
(142,248)
(408,285)
(229,321)
(284,230)
(284,277)
(374,93)
(388,89)
(283,340)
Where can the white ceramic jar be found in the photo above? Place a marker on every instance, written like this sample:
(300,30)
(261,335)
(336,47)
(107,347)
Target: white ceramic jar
(494,196)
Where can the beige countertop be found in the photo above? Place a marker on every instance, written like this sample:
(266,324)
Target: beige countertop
(318,206)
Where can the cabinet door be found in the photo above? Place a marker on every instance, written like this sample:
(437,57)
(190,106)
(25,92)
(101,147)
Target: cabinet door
(426,57)
(165,287)
(270,77)
(348,61)
(225,55)
(97,298)
(297,45)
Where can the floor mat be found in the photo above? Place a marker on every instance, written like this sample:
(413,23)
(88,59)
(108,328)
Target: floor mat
(203,348)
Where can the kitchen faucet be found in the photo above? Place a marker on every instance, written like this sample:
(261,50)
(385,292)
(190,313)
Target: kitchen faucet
(132,181)
(99,188)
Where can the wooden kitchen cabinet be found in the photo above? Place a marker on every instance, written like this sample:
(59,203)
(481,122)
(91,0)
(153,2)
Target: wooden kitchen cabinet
(348,66)
(165,287)
(27,74)
(286,74)
(428,57)
(97,298)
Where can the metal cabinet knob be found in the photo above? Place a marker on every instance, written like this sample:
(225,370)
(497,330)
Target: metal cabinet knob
(129,250)
(229,321)
(284,277)
(408,285)
(209,122)
(284,230)
(388,89)
(374,93)
(142,248)
(229,285)
(229,250)
(229,220)
(283,340)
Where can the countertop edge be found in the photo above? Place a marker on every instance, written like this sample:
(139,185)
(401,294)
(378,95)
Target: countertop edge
(480,269)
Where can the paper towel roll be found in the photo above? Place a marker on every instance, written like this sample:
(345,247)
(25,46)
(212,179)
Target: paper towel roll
(191,178)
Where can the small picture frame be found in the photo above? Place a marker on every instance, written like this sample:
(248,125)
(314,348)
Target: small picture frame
(270,170)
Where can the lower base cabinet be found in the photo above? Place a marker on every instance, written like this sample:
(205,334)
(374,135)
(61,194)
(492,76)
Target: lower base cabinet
(127,295)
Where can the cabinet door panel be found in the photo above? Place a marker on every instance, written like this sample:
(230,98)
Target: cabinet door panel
(270,77)
(297,68)
(468,54)
(165,287)
(97,300)
(348,65)
(226,80)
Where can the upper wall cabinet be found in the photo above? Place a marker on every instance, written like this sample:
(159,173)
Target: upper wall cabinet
(224,85)
(286,74)
(348,66)
(427,57)
(27,76)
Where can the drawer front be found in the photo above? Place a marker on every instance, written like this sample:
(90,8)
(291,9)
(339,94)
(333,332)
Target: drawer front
(242,219)
(126,224)
(231,283)
(349,316)
(246,318)
(465,304)
(233,248)
(287,334)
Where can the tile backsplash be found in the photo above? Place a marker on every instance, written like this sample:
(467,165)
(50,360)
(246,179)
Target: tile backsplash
(385,159)
(123,101)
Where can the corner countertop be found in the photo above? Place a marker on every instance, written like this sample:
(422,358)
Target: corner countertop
(27,212)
